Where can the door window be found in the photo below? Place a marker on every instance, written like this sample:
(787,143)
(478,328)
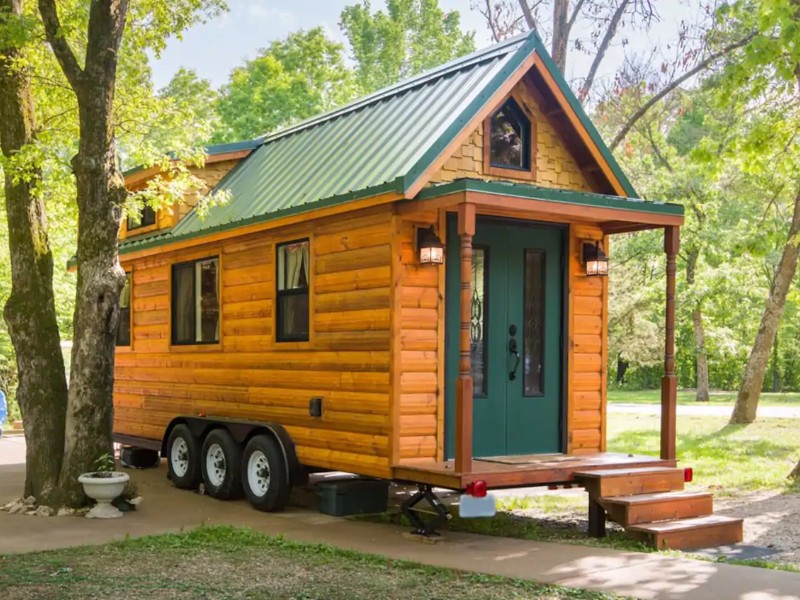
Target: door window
(477,326)
(533,318)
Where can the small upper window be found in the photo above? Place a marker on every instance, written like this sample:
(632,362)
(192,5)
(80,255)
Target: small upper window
(510,143)
(292,292)
(124,325)
(195,302)
(147,216)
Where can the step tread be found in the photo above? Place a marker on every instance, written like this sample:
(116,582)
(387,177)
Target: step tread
(685,524)
(600,473)
(657,497)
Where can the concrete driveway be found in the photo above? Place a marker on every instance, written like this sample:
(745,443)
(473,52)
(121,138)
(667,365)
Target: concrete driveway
(166,509)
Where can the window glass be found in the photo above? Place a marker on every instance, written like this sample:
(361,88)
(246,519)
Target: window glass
(510,137)
(124,325)
(292,293)
(147,216)
(533,335)
(477,327)
(195,302)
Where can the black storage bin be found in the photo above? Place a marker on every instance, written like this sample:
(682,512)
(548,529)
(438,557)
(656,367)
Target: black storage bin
(353,497)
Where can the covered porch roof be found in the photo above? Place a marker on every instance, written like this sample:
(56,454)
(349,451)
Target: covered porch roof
(614,214)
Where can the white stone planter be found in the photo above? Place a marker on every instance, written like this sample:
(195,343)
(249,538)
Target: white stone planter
(104,487)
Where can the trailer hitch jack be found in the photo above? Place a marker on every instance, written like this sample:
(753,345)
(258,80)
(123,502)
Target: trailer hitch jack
(425,527)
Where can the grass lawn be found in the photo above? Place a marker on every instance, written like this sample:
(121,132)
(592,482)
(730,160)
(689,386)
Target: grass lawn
(688,397)
(228,562)
(729,459)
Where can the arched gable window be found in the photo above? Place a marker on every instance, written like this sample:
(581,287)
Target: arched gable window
(509,141)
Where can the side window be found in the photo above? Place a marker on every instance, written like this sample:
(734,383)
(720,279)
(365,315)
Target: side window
(292,291)
(195,302)
(146,217)
(124,326)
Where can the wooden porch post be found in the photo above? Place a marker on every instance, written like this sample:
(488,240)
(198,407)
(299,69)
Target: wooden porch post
(669,384)
(463,450)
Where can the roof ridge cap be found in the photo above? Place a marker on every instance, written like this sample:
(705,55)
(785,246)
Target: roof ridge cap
(405,85)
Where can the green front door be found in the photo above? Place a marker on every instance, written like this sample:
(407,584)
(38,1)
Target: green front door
(515,334)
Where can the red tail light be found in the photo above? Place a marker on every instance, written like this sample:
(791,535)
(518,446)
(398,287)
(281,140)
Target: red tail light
(477,489)
(688,474)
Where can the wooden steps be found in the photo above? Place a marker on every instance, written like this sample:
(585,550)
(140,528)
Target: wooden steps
(652,506)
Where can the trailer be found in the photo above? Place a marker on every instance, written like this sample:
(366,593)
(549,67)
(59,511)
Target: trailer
(411,288)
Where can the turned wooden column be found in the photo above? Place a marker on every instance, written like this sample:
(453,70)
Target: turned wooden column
(669,384)
(463,450)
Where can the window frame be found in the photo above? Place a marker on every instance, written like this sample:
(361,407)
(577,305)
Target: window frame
(142,227)
(510,171)
(279,294)
(173,300)
(129,345)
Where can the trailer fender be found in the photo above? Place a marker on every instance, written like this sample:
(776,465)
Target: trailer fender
(242,431)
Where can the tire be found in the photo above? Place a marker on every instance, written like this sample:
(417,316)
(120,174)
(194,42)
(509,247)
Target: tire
(183,458)
(264,476)
(220,465)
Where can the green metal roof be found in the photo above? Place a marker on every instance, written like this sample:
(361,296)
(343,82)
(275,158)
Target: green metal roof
(382,142)
(536,192)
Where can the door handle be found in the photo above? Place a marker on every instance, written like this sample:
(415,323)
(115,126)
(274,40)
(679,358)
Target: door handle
(512,348)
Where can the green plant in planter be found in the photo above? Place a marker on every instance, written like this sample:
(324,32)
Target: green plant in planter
(104,466)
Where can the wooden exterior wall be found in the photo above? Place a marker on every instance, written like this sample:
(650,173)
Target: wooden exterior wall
(555,166)
(249,375)
(587,349)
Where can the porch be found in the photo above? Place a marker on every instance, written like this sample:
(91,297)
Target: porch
(521,471)
(580,214)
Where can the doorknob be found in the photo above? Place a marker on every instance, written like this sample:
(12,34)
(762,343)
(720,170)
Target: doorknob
(512,348)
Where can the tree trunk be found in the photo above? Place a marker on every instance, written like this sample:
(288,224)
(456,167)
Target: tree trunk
(750,390)
(700,356)
(795,474)
(560,33)
(100,196)
(30,310)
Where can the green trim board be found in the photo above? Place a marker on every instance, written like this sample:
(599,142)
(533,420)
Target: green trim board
(535,192)
(169,237)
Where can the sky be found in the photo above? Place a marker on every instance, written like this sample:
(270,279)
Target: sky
(215,48)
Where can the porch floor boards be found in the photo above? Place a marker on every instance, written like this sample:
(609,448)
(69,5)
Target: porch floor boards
(520,471)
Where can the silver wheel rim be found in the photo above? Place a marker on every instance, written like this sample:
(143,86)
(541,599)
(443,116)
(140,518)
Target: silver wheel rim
(215,465)
(258,473)
(179,457)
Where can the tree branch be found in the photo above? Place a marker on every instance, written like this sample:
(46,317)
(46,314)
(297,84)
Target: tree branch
(575,12)
(55,37)
(611,32)
(674,84)
(526,10)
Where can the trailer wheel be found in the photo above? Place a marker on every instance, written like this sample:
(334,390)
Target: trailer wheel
(183,458)
(265,480)
(220,464)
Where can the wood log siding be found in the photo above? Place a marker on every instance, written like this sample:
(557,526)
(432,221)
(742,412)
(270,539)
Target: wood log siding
(587,350)
(419,295)
(249,375)
(555,165)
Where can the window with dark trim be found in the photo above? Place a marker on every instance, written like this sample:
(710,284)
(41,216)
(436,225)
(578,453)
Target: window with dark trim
(147,216)
(510,138)
(292,291)
(478,317)
(124,325)
(195,302)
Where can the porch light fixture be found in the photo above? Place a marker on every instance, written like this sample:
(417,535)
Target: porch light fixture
(595,260)
(430,247)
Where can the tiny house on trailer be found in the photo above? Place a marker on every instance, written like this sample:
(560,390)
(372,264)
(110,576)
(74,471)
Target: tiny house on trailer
(412,288)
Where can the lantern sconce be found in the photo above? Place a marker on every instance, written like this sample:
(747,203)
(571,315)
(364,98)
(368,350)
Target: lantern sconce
(594,260)
(429,246)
